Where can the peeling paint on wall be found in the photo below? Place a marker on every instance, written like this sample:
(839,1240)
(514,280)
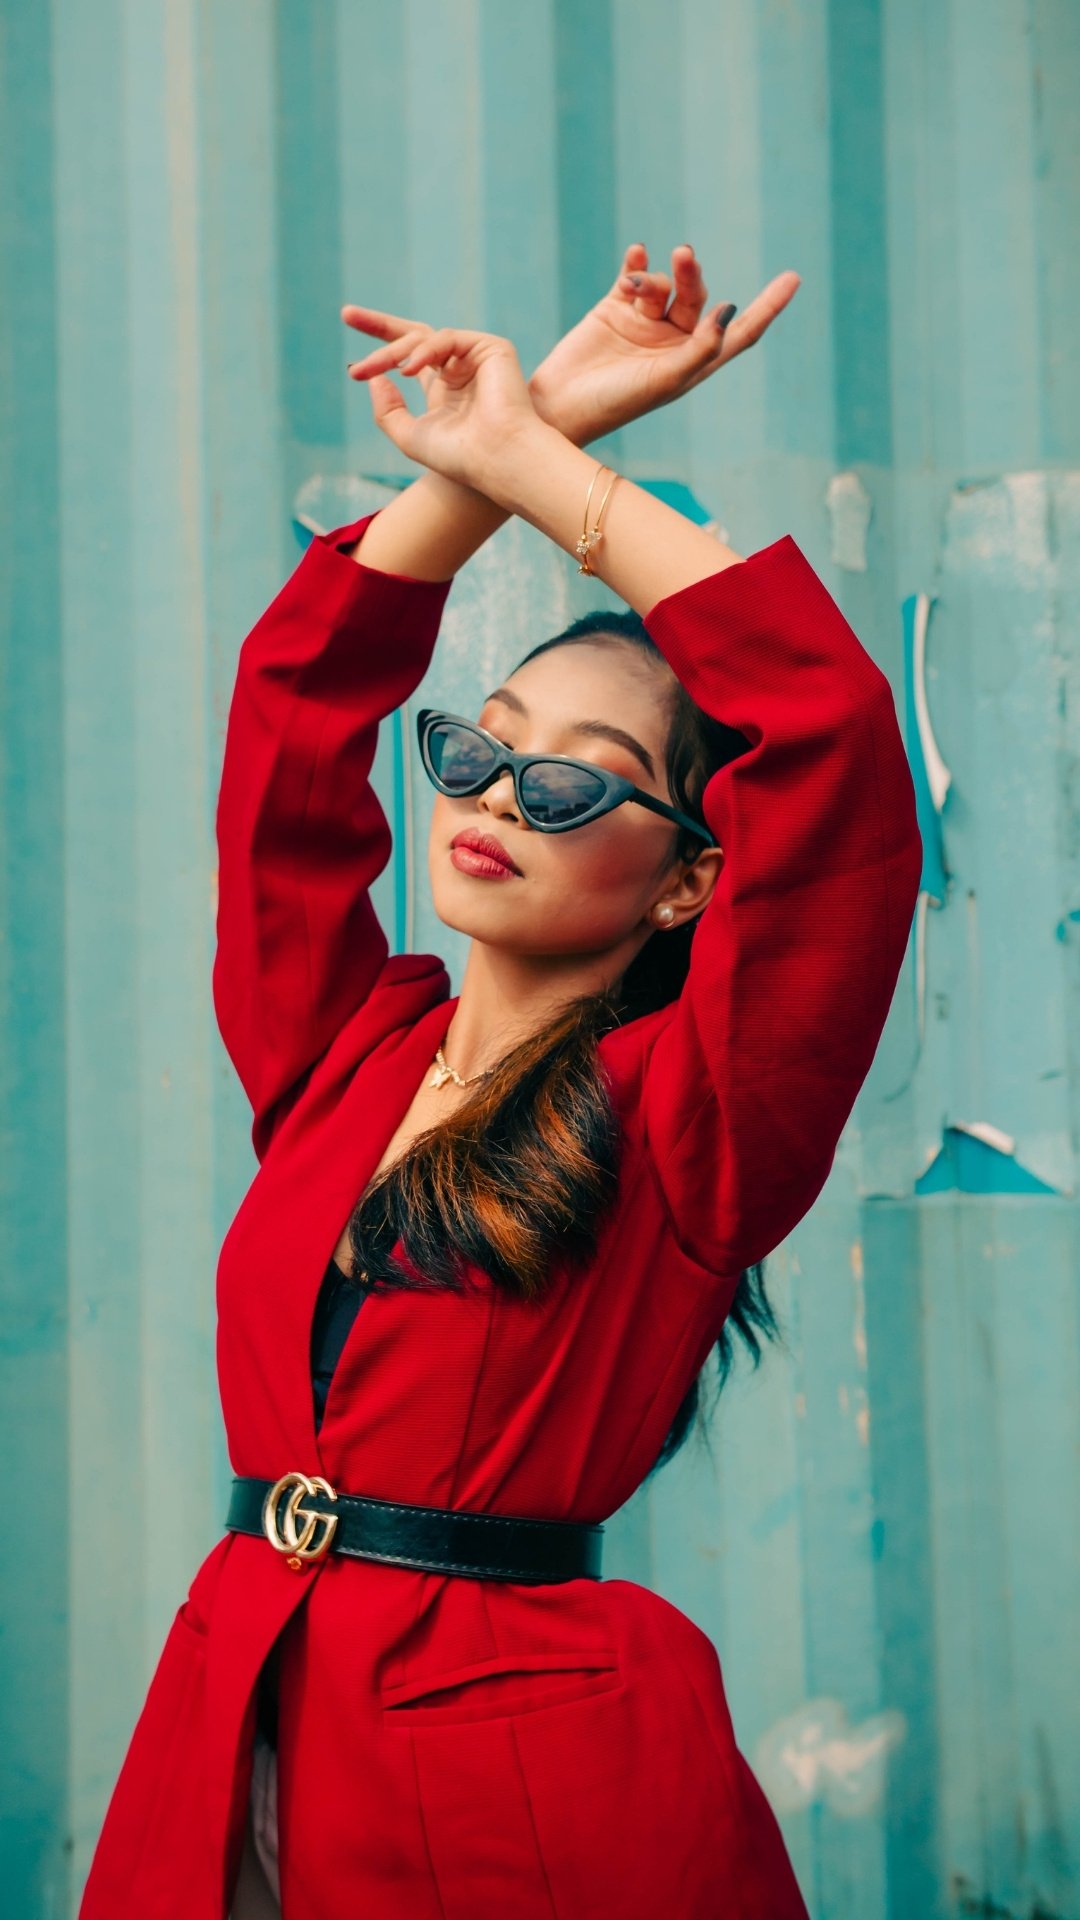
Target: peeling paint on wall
(975,1157)
(850,508)
(816,1754)
(859,1278)
(1000,527)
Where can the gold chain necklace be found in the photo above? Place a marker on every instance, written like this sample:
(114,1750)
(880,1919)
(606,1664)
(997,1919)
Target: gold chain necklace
(444,1072)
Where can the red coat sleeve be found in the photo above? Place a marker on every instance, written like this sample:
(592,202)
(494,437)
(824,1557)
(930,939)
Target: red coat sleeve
(301,835)
(795,959)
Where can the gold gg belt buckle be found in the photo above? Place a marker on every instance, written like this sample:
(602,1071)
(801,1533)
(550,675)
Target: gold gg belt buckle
(280,1523)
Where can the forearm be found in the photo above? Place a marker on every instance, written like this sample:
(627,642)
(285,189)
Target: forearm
(648,550)
(429,530)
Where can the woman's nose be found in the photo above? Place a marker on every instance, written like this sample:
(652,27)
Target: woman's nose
(500,796)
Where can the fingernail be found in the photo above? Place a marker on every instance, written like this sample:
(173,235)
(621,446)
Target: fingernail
(635,279)
(725,314)
(406,365)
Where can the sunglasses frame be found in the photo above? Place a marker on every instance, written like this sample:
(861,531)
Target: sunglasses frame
(616,789)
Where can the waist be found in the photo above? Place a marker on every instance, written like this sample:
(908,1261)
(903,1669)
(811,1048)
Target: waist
(304,1518)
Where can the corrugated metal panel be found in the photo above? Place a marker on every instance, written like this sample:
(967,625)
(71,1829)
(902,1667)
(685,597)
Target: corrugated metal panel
(883,1542)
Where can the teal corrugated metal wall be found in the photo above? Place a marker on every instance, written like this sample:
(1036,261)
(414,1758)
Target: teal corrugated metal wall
(883,1541)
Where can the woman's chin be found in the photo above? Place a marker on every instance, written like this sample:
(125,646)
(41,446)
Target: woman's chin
(460,910)
(499,929)
(494,916)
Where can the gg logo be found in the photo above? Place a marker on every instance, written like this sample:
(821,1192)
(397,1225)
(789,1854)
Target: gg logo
(279,1524)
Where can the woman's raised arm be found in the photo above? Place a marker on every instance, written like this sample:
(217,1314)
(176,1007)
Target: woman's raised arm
(300,831)
(753,1072)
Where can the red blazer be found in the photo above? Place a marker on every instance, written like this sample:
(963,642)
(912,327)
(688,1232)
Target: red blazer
(453,1748)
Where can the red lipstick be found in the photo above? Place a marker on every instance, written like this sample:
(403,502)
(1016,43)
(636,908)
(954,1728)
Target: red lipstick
(481,854)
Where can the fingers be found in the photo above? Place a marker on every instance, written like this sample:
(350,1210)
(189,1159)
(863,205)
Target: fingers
(390,413)
(650,292)
(382,359)
(439,347)
(715,345)
(400,333)
(445,342)
(634,260)
(647,292)
(690,289)
(386,326)
(762,311)
(419,350)
(705,348)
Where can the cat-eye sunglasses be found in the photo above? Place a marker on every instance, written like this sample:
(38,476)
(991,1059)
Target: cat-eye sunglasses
(554,792)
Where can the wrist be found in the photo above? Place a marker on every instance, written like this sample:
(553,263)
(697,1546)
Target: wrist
(559,417)
(511,467)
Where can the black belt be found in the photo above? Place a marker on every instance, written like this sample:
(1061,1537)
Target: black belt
(489,1546)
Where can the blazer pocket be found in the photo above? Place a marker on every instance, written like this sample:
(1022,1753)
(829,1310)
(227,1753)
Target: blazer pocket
(508,1683)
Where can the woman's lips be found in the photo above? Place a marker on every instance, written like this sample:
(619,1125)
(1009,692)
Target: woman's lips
(467,860)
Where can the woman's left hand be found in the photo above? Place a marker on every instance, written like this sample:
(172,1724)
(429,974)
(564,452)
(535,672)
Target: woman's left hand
(477,402)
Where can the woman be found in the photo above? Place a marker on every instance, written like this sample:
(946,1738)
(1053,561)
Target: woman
(551,1188)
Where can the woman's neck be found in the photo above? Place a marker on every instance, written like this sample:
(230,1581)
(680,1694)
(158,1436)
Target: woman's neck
(505,997)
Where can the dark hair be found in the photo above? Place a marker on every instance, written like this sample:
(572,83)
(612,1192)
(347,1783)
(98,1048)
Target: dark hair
(522,1173)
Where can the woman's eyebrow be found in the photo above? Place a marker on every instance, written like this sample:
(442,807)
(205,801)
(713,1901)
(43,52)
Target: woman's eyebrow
(597,729)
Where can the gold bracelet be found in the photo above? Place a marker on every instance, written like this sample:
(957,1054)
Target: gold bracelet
(591,536)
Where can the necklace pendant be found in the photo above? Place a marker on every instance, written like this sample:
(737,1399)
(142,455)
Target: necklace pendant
(440,1075)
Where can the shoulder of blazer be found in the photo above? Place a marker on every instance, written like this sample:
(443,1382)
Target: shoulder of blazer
(399,967)
(406,987)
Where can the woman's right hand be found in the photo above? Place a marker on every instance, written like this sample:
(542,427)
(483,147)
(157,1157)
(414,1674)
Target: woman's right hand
(630,354)
(633,352)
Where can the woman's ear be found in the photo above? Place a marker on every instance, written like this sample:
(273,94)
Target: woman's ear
(691,892)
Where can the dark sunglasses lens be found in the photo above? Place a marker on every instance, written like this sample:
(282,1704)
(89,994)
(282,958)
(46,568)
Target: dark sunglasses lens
(459,757)
(554,793)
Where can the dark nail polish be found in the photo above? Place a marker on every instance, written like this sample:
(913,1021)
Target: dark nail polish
(725,314)
(635,279)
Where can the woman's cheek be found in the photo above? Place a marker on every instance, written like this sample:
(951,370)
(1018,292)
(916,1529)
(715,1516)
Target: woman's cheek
(598,895)
(617,869)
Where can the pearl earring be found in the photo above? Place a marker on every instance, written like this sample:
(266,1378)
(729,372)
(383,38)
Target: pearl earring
(665,914)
